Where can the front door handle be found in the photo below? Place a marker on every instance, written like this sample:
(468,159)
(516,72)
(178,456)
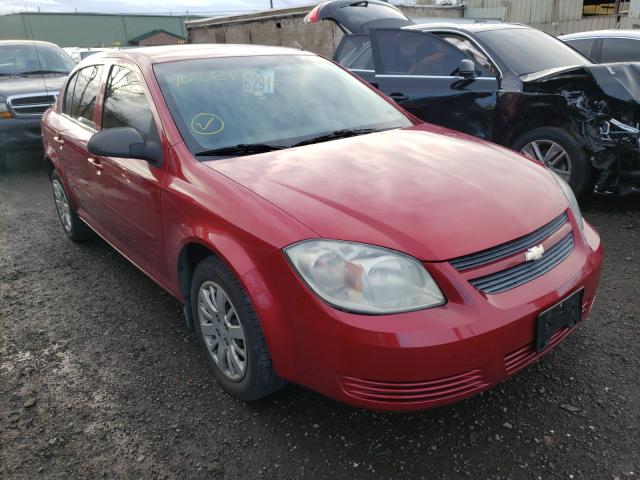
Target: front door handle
(59,140)
(398,97)
(96,163)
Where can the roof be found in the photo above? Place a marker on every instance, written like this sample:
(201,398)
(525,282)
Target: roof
(152,33)
(169,53)
(25,42)
(602,34)
(470,27)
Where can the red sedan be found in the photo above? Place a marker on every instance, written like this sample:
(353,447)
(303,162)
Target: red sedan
(316,232)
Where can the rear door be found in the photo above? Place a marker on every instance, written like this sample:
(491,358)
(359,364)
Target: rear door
(420,71)
(76,125)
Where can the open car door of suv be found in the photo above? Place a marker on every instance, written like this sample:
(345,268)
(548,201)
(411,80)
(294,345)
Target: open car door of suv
(434,80)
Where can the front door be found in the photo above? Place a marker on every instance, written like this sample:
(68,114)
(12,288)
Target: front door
(131,189)
(421,72)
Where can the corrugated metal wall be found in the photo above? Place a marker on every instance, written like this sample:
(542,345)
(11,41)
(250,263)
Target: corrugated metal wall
(86,30)
(553,16)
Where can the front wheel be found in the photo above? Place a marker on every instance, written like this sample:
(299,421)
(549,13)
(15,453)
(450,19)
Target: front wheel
(229,332)
(561,153)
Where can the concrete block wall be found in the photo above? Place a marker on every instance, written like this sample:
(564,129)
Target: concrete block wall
(285,28)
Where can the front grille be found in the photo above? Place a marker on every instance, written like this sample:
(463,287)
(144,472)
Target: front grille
(413,392)
(31,105)
(505,250)
(514,277)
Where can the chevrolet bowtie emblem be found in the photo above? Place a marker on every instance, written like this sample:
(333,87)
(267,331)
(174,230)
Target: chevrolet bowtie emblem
(534,253)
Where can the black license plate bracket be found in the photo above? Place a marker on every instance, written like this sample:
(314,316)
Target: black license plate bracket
(564,314)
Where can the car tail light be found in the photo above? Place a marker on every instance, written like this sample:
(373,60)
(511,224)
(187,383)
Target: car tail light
(313,16)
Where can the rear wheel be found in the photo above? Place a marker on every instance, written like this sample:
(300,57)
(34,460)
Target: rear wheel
(229,332)
(561,153)
(75,228)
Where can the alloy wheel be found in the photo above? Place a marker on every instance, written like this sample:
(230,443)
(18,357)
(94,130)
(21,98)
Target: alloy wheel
(62,205)
(551,154)
(222,331)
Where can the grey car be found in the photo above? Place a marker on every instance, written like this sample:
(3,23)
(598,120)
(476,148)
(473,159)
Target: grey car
(606,46)
(31,74)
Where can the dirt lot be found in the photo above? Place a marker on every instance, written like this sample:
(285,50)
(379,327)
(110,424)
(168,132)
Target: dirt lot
(99,378)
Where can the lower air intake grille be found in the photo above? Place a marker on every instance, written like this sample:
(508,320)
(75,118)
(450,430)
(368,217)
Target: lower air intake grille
(514,277)
(414,392)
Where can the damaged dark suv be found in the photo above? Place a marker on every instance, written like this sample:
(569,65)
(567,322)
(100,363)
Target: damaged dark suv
(506,83)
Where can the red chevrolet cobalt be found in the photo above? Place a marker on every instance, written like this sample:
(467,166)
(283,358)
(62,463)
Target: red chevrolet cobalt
(315,232)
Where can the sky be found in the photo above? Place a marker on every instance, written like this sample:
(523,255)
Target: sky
(195,7)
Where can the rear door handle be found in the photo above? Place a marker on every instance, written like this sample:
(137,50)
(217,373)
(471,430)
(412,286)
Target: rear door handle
(58,139)
(398,97)
(96,163)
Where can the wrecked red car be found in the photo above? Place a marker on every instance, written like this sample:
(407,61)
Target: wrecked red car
(510,84)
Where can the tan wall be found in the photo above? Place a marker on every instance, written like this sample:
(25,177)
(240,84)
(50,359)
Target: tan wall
(160,38)
(286,28)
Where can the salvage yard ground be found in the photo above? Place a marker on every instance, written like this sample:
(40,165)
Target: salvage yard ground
(99,377)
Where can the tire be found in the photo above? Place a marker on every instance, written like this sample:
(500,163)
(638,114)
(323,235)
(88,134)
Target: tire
(75,228)
(579,172)
(217,336)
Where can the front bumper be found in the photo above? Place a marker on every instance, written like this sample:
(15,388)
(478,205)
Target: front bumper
(20,133)
(421,359)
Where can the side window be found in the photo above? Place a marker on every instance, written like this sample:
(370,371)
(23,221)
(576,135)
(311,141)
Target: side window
(414,53)
(125,104)
(471,50)
(68,95)
(354,51)
(364,60)
(583,45)
(81,95)
(620,50)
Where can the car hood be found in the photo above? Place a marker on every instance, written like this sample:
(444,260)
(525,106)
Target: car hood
(618,80)
(427,191)
(31,84)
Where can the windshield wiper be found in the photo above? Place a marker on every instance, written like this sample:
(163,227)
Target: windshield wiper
(40,72)
(349,132)
(241,149)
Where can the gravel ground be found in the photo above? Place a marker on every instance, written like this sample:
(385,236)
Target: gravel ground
(99,378)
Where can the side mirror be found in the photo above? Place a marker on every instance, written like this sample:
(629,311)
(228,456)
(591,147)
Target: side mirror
(124,142)
(467,68)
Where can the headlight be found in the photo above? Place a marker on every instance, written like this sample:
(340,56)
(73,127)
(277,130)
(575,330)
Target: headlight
(571,198)
(4,111)
(364,279)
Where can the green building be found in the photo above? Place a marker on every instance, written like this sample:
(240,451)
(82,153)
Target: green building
(91,29)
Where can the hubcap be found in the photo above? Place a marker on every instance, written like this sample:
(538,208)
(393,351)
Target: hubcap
(62,205)
(222,331)
(551,154)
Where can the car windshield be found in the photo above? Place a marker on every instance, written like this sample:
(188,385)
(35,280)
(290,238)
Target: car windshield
(278,100)
(26,58)
(526,50)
